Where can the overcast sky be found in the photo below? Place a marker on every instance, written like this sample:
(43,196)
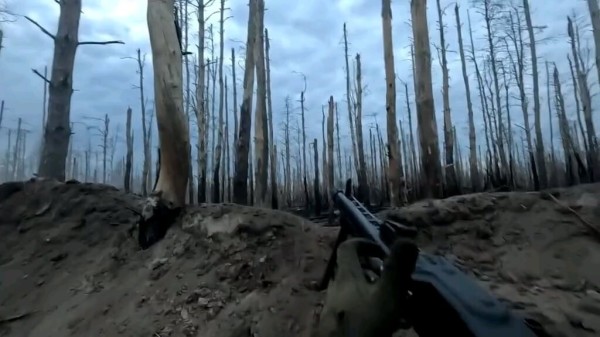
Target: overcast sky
(306,37)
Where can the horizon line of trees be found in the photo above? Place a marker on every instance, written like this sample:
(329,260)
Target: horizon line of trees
(403,162)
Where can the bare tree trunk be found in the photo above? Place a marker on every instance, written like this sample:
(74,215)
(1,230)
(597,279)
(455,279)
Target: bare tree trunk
(569,151)
(170,191)
(552,175)
(145,134)
(586,102)
(235,107)
(452,187)
(240,180)
(539,147)
(57,131)
(219,144)
(348,99)
(430,153)
(390,106)
(201,107)
(330,171)
(577,104)
(488,12)
(363,185)
(104,146)
(272,151)
(288,173)
(227,170)
(44,114)
(595,18)
(338,146)
(316,183)
(261,136)
(474,170)
(304,166)
(129,158)
(15,161)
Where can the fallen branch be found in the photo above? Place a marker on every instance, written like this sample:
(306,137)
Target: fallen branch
(589,225)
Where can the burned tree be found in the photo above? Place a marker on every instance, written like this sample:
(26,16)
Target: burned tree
(430,153)
(129,156)
(363,185)
(219,146)
(261,136)
(540,161)
(57,132)
(272,147)
(390,105)
(169,193)
(201,107)
(474,171)
(451,182)
(240,180)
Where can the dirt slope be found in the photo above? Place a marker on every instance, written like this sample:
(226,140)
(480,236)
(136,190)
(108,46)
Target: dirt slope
(527,248)
(69,265)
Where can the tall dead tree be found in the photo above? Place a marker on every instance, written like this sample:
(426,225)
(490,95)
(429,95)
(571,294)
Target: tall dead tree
(201,106)
(514,34)
(141,61)
(540,161)
(219,145)
(57,131)
(288,171)
(586,100)
(349,102)
(395,179)
(473,167)
(330,171)
(235,107)
(490,10)
(129,156)
(338,146)
(261,136)
(430,153)
(451,182)
(169,194)
(595,18)
(304,163)
(272,151)
(570,154)
(363,184)
(316,182)
(240,180)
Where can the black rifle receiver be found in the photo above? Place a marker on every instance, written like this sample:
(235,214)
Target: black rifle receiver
(443,299)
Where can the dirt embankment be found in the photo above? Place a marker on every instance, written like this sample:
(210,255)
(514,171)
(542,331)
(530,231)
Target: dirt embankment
(69,265)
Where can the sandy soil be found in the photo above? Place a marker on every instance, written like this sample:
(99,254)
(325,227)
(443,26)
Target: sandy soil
(70,266)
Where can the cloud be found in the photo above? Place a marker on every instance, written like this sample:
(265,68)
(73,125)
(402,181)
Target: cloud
(306,37)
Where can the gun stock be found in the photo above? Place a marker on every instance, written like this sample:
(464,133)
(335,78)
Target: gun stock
(443,300)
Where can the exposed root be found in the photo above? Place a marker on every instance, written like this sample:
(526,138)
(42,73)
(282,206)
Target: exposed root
(156,218)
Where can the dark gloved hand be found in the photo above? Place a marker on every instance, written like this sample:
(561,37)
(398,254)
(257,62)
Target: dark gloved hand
(354,307)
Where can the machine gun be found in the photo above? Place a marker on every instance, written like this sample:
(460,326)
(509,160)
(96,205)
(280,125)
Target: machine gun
(441,299)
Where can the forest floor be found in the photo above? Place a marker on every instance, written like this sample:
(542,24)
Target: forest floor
(69,265)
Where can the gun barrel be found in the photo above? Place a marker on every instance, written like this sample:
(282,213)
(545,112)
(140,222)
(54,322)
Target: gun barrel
(361,225)
(439,288)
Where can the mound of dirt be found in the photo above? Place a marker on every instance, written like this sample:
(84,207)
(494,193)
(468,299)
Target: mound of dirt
(70,264)
(537,251)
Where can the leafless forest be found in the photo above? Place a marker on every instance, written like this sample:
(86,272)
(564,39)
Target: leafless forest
(239,155)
